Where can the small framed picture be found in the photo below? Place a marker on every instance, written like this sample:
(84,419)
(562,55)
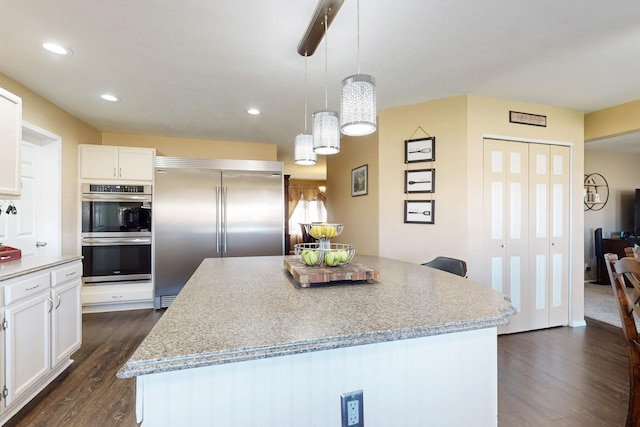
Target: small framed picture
(419,211)
(419,181)
(359,181)
(420,150)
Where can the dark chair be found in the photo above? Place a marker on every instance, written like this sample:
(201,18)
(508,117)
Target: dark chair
(451,265)
(306,238)
(628,305)
(597,250)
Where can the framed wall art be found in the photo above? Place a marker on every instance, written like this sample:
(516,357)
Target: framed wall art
(359,181)
(420,150)
(419,211)
(419,181)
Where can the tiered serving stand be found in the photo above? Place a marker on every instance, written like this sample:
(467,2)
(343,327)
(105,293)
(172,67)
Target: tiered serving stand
(321,268)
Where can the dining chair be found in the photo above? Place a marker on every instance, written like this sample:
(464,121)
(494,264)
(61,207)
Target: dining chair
(451,265)
(627,299)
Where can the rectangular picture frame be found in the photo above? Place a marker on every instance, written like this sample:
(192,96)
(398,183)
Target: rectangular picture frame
(420,181)
(420,150)
(419,211)
(359,181)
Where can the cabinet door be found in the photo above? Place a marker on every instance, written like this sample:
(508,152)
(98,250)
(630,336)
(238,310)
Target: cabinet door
(10,138)
(66,321)
(98,162)
(27,345)
(135,163)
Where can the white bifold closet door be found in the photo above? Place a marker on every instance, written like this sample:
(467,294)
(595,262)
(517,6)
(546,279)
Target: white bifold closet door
(526,224)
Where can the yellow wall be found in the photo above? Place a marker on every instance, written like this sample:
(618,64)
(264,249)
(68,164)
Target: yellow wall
(195,148)
(459,125)
(42,113)
(618,120)
(358,214)
(446,120)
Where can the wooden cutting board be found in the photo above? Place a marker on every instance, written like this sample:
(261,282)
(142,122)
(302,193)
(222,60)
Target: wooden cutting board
(309,276)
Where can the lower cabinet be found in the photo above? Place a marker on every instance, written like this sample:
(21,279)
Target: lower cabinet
(27,344)
(42,327)
(66,321)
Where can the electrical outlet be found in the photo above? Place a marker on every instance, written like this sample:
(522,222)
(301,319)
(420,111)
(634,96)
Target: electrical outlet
(352,409)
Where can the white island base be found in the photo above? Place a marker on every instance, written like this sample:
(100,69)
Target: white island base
(446,380)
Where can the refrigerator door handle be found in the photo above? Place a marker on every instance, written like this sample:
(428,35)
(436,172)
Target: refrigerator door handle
(224,219)
(218,205)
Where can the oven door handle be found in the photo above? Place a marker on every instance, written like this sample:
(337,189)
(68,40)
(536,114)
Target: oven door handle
(116,197)
(116,241)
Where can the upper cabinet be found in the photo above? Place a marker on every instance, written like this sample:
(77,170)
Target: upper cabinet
(103,162)
(10,138)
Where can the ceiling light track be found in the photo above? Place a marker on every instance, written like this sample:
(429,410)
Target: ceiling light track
(316,31)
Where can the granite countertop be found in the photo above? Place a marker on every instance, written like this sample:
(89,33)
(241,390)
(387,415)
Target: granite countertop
(11,269)
(237,309)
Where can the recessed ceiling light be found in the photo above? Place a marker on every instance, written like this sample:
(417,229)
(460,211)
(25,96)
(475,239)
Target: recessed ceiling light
(108,97)
(253,111)
(56,48)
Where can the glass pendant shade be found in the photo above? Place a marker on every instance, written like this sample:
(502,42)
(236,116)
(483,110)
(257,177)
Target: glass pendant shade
(358,108)
(326,132)
(303,150)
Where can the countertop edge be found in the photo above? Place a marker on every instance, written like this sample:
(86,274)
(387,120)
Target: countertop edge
(155,366)
(34,264)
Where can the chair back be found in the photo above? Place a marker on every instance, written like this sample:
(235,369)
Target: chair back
(628,299)
(306,238)
(451,265)
(618,269)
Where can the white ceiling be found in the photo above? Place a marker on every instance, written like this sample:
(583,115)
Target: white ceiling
(191,68)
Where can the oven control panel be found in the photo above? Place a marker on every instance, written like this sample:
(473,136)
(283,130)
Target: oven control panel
(115,188)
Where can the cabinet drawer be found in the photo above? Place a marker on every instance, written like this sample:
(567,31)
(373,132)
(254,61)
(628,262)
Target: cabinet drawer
(66,274)
(26,287)
(111,294)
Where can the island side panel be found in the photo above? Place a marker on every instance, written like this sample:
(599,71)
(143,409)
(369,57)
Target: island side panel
(442,380)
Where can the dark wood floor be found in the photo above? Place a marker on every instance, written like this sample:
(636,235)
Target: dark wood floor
(560,377)
(563,377)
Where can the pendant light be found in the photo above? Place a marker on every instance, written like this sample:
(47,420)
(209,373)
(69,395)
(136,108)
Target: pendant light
(326,123)
(303,145)
(358,108)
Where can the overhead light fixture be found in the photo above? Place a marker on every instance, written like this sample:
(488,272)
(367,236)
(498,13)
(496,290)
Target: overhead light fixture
(110,98)
(56,48)
(317,28)
(303,153)
(253,111)
(326,123)
(358,108)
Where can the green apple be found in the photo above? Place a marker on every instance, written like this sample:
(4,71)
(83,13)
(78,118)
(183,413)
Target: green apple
(344,256)
(310,258)
(330,258)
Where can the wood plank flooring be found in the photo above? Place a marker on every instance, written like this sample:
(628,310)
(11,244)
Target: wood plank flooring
(560,377)
(563,377)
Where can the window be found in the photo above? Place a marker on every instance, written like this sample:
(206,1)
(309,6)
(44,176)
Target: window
(312,211)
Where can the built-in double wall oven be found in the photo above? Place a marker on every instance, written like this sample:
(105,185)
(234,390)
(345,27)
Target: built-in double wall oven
(116,233)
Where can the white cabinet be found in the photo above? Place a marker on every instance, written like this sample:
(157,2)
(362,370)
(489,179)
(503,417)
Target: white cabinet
(66,315)
(104,162)
(27,334)
(42,327)
(10,138)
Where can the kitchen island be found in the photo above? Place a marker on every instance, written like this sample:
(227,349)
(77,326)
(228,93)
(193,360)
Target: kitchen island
(244,345)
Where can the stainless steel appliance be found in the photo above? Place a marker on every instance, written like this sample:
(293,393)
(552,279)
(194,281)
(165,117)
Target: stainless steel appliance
(212,208)
(116,233)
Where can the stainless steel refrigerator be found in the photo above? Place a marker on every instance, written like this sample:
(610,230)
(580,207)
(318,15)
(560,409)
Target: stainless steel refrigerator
(212,208)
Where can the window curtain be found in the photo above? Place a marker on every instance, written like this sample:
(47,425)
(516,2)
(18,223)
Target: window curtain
(298,192)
